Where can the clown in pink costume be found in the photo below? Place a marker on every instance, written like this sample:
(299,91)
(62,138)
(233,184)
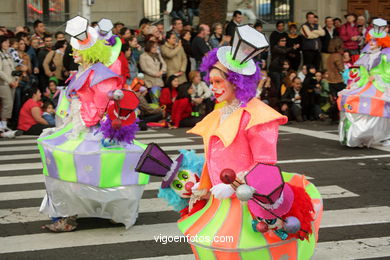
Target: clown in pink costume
(89,161)
(266,213)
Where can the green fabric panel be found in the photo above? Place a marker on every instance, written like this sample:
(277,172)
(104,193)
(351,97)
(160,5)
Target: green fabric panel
(115,51)
(312,191)
(205,253)
(42,153)
(63,107)
(111,169)
(143,146)
(249,238)
(306,248)
(64,160)
(188,222)
(217,221)
(287,176)
(142,177)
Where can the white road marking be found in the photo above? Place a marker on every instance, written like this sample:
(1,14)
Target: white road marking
(362,248)
(29,214)
(329,192)
(334,192)
(323,135)
(19,157)
(331,218)
(358,216)
(317,134)
(346,158)
(38,165)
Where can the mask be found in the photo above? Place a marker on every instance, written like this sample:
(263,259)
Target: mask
(183,182)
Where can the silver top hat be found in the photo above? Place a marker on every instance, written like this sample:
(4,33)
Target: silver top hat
(104,28)
(83,36)
(247,43)
(379,28)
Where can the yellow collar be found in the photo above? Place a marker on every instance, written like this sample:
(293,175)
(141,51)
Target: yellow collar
(259,112)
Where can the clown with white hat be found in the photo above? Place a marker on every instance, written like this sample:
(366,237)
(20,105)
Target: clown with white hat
(95,148)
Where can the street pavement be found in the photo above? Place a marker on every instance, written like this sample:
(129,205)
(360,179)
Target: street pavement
(354,183)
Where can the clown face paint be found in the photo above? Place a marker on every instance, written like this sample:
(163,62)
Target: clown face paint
(78,59)
(273,224)
(223,90)
(183,182)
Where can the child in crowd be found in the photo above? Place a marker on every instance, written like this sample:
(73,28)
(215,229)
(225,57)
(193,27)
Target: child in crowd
(49,113)
(169,93)
(147,113)
(287,81)
(321,96)
(302,73)
(263,86)
(182,108)
(14,45)
(202,95)
(52,93)
(347,60)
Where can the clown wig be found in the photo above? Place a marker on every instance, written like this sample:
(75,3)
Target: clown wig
(99,52)
(245,85)
(191,162)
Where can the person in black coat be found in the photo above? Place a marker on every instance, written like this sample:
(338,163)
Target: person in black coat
(294,39)
(279,56)
(276,35)
(330,33)
(199,46)
(231,27)
(309,95)
(68,60)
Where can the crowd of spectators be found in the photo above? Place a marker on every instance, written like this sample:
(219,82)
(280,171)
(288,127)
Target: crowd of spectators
(301,69)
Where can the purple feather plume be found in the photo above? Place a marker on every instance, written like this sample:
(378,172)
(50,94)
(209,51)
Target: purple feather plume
(245,85)
(124,134)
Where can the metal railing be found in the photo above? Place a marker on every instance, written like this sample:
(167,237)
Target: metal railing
(275,10)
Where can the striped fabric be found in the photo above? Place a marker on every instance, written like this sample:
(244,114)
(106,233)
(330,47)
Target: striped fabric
(86,161)
(367,100)
(230,217)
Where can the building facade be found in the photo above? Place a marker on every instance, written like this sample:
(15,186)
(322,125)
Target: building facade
(55,12)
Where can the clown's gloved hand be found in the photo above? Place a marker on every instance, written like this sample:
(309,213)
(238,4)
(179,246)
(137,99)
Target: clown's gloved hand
(198,192)
(222,191)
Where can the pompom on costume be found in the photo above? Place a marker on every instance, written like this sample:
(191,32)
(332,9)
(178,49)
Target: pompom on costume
(89,161)
(365,104)
(239,139)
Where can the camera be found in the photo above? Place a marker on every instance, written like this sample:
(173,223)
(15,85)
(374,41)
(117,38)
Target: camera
(16,73)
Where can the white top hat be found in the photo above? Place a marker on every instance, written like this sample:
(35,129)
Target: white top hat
(104,28)
(247,43)
(83,36)
(379,28)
